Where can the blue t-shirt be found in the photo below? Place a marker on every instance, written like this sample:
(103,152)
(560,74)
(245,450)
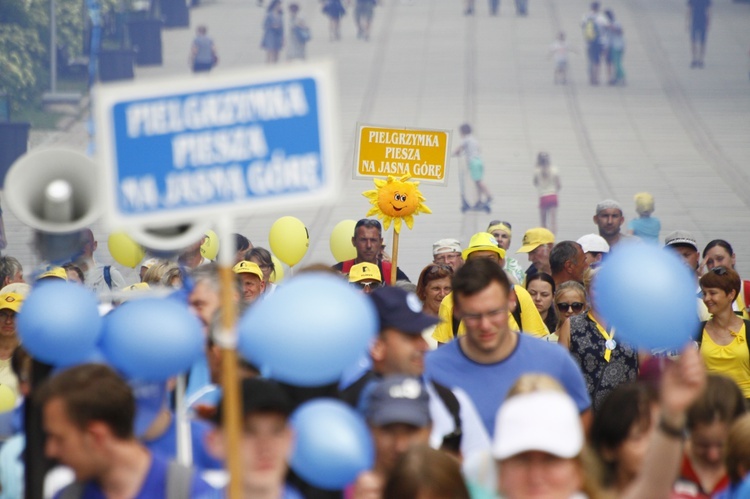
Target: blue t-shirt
(166,445)
(155,485)
(646,228)
(488,384)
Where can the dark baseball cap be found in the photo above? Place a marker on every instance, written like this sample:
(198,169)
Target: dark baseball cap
(259,395)
(398,399)
(401,310)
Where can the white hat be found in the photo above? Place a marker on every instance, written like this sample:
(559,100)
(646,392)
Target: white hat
(545,421)
(593,242)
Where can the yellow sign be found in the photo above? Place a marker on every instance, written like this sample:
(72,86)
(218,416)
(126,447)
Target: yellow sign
(421,154)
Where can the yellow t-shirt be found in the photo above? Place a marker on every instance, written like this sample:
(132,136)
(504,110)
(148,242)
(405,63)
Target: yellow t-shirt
(731,360)
(532,321)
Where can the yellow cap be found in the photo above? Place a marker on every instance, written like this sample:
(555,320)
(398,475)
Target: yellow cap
(11,301)
(138,286)
(534,238)
(364,271)
(482,241)
(57,272)
(499,226)
(245,267)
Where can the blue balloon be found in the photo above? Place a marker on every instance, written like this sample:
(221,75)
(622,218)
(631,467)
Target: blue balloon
(648,295)
(332,444)
(743,491)
(152,339)
(59,323)
(309,330)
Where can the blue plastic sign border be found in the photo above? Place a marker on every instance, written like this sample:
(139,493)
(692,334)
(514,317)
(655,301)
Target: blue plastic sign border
(231,143)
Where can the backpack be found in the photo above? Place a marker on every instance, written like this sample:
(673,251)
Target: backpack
(698,338)
(179,484)
(590,29)
(108,276)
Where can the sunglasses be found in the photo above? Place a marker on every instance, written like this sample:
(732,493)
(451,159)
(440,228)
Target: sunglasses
(719,270)
(366,285)
(576,306)
(439,267)
(495,222)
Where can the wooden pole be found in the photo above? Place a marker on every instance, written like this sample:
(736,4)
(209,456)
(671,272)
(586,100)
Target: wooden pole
(394,258)
(227,340)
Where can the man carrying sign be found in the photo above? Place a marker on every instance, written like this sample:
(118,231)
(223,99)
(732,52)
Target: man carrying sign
(368,240)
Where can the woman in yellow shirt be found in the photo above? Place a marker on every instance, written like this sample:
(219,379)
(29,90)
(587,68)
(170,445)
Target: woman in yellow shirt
(723,341)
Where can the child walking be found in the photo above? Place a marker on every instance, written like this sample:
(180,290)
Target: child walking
(559,51)
(547,182)
(645,226)
(470,148)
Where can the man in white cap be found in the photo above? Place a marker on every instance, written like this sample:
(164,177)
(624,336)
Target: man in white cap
(447,252)
(609,219)
(594,248)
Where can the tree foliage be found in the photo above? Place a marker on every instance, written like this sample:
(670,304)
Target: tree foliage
(25,37)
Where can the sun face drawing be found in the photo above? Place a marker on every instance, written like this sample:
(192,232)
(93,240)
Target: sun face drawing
(396,199)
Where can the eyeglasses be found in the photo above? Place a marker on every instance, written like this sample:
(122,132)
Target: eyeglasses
(719,270)
(490,315)
(495,222)
(576,306)
(366,286)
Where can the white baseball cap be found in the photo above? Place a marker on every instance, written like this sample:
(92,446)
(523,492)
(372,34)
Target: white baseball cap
(593,242)
(546,421)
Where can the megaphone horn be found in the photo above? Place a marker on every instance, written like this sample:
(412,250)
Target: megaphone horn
(54,190)
(170,237)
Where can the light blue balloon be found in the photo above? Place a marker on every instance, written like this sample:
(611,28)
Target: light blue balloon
(649,295)
(332,444)
(309,330)
(59,323)
(743,491)
(152,339)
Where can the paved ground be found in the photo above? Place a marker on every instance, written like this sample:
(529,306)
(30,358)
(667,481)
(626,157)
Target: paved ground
(680,133)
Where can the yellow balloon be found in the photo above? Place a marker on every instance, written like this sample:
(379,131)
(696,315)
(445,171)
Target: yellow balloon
(289,240)
(7,399)
(124,250)
(210,247)
(278,271)
(341,241)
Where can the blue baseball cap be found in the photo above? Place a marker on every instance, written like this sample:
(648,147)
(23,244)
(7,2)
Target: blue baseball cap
(401,310)
(398,399)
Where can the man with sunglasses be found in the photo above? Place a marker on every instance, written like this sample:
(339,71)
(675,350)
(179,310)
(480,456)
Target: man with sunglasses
(399,349)
(368,241)
(365,277)
(490,357)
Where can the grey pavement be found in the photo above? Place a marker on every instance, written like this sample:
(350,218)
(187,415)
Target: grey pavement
(682,134)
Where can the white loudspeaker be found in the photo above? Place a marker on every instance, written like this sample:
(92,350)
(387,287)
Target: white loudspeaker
(54,190)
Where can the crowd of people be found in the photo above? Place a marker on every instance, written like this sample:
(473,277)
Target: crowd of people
(484,379)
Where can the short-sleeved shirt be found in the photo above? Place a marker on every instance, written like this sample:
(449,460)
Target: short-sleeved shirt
(587,346)
(204,49)
(646,228)
(699,12)
(155,485)
(487,384)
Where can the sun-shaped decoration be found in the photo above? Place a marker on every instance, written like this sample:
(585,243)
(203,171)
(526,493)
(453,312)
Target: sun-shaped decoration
(396,199)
